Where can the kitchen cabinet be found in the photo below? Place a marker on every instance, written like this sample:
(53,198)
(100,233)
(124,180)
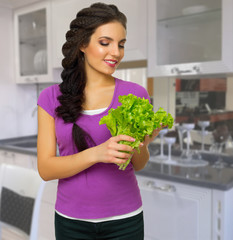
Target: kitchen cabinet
(6,157)
(222,215)
(19,159)
(32,30)
(190,40)
(63,12)
(174,211)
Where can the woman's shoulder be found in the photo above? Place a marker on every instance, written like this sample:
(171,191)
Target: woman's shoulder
(51,90)
(48,99)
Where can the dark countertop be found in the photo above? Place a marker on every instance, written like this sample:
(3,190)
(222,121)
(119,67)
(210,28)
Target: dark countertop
(24,145)
(210,176)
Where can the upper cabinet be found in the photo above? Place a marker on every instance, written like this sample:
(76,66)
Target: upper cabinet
(190,37)
(63,12)
(32,43)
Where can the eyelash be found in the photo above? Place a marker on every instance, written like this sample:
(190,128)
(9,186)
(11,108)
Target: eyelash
(106,44)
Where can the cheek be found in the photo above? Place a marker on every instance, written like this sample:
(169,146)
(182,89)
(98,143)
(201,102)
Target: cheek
(96,52)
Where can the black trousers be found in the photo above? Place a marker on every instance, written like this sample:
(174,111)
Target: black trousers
(131,228)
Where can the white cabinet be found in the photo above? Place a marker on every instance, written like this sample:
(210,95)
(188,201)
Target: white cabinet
(32,30)
(190,37)
(19,159)
(64,11)
(7,157)
(174,211)
(222,215)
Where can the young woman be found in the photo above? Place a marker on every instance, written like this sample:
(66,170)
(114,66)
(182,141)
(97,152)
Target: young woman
(95,200)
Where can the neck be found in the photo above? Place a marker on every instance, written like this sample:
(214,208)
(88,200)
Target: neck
(100,80)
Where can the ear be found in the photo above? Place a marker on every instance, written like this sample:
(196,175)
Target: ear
(82,49)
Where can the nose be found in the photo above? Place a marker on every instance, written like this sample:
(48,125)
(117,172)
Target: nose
(115,50)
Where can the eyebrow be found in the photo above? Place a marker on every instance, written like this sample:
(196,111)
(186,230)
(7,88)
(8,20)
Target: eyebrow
(122,40)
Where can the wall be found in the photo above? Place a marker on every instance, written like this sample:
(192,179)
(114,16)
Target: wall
(16,102)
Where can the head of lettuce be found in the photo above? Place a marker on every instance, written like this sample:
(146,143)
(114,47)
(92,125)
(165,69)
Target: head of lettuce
(135,117)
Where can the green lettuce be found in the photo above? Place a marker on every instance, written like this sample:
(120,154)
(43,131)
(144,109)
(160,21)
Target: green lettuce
(135,117)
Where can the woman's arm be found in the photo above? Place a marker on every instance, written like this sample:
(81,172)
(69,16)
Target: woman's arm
(51,166)
(139,160)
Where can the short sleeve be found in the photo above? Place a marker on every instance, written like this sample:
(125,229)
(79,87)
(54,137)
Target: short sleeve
(47,100)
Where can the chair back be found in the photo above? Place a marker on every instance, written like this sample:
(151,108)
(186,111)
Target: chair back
(21,192)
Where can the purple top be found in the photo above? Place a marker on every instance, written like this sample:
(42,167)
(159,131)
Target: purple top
(102,190)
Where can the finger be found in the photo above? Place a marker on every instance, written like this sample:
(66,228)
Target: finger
(124,147)
(119,147)
(124,138)
(123,155)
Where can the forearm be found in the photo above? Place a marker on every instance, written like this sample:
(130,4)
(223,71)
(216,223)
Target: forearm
(139,160)
(54,167)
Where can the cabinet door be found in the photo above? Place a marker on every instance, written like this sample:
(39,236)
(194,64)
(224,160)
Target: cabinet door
(222,215)
(63,12)
(175,211)
(24,160)
(32,43)
(19,159)
(189,38)
(7,157)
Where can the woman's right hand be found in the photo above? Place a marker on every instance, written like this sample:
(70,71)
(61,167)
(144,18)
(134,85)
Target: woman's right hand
(111,150)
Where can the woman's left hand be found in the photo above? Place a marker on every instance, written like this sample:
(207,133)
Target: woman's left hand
(149,139)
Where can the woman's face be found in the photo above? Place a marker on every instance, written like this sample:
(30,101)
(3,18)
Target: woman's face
(105,49)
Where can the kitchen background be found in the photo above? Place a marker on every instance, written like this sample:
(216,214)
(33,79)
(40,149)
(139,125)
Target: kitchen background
(182,52)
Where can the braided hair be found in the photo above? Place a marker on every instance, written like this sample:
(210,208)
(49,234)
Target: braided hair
(73,75)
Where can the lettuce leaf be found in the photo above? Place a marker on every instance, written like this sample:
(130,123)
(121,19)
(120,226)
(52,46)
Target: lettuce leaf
(135,117)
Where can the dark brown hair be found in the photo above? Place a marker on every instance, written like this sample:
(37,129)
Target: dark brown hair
(73,74)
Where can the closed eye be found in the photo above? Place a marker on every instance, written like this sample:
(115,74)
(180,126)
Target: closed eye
(104,43)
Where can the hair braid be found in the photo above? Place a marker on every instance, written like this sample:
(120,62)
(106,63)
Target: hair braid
(73,74)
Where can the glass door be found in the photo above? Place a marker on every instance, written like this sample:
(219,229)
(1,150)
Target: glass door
(188,31)
(32,43)
(187,38)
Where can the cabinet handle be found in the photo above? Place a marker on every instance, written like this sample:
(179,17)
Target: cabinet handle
(165,188)
(178,71)
(35,79)
(197,69)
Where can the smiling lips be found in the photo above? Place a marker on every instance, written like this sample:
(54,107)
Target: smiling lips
(110,62)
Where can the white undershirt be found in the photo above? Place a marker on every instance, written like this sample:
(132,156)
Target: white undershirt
(131,214)
(93,112)
(97,220)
